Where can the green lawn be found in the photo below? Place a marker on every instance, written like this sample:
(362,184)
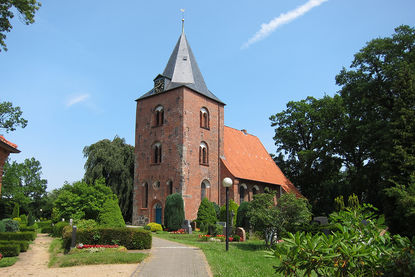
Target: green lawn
(86,257)
(243,258)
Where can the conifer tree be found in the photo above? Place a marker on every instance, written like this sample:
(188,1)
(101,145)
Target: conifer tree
(174,212)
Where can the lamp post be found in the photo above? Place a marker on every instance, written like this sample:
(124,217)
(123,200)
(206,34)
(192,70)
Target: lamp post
(227,182)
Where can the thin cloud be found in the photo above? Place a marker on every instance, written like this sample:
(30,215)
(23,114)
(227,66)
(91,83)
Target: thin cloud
(284,18)
(77,99)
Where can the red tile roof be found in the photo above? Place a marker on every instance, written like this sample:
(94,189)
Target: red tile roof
(11,147)
(246,158)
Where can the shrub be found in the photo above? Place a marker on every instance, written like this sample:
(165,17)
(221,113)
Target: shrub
(46,223)
(154,227)
(18,236)
(24,228)
(215,229)
(58,227)
(131,238)
(236,238)
(30,219)
(206,213)
(174,212)
(242,218)
(11,225)
(10,250)
(232,207)
(18,219)
(217,209)
(16,210)
(46,230)
(2,226)
(24,244)
(110,214)
(23,217)
(86,224)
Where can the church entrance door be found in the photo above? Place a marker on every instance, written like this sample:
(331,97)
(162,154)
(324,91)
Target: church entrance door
(157,208)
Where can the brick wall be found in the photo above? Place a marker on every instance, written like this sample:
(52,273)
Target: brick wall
(3,157)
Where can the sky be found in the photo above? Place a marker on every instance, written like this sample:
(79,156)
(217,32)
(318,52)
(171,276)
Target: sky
(77,70)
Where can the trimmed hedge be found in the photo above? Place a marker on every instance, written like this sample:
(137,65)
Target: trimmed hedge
(131,238)
(10,250)
(58,228)
(18,236)
(42,224)
(24,244)
(46,230)
(24,228)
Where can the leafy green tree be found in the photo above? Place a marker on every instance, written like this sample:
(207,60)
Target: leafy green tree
(81,200)
(206,213)
(217,209)
(110,214)
(233,207)
(114,161)
(242,219)
(10,117)
(174,211)
(292,213)
(26,9)
(23,184)
(30,219)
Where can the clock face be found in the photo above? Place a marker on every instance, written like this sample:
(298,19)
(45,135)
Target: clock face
(159,85)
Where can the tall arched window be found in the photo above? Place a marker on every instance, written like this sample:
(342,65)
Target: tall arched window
(145,195)
(203,189)
(204,118)
(255,190)
(242,189)
(203,153)
(158,116)
(156,155)
(169,187)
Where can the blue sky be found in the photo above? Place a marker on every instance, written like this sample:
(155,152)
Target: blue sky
(77,71)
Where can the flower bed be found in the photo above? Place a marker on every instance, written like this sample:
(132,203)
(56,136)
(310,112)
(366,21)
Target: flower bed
(180,231)
(222,238)
(85,246)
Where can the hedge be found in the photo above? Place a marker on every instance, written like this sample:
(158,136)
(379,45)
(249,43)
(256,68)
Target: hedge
(17,236)
(24,228)
(58,228)
(42,224)
(24,244)
(131,238)
(10,250)
(48,230)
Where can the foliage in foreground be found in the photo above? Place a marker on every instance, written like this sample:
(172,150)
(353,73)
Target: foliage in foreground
(174,212)
(8,261)
(358,247)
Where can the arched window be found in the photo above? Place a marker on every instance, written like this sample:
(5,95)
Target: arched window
(145,195)
(156,155)
(203,153)
(255,190)
(203,189)
(158,116)
(204,118)
(156,185)
(242,189)
(169,187)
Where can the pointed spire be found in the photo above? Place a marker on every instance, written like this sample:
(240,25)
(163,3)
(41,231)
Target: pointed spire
(182,70)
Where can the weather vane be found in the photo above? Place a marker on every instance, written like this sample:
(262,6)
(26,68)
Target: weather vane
(182,10)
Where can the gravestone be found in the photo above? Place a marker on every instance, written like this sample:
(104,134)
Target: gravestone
(241,233)
(193,225)
(322,220)
(73,242)
(186,226)
(223,225)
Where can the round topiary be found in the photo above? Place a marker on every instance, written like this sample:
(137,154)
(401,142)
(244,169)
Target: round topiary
(154,227)
(174,212)
(206,213)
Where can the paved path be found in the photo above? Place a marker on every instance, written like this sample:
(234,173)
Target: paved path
(173,259)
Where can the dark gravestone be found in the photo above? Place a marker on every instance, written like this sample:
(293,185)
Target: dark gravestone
(323,221)
(73,242)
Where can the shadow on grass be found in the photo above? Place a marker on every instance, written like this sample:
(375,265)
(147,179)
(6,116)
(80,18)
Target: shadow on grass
(250,246)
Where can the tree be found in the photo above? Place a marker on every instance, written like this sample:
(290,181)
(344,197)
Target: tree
(114,161)
(23,184)
(81,200)
(174,212)
(10,117)
(292,213)
(16,210)
(110,216)
(26,9)
(206,213)
(233,207)
(242,219)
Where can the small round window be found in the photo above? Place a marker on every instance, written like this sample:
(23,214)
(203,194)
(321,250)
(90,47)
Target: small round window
(156,185)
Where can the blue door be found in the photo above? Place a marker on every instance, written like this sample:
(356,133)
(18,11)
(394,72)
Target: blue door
(158,213)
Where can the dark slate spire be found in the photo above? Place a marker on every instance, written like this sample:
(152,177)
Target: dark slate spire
(181,70)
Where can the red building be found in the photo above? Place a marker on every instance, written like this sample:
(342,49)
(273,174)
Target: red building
(182,145)
(6,147)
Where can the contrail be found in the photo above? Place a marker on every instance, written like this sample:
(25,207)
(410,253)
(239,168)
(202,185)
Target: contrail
(77,99)
(284,18)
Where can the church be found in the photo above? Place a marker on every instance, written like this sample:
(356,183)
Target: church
(182,146)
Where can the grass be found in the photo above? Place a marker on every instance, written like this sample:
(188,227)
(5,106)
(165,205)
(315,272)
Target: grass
(8,261)
(244,259)
(86,257)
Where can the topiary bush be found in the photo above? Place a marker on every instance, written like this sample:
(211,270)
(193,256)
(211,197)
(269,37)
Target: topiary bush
(58,227)
(10,250)
(18,236)
(154,227)
(86,224)
(16,210)
(174,212)
(46,223)
(10,225)
(24,244)
(24,228)
(232,207)
(206,213)
(242,218)
(2,226)
(131,238)
(110,214)
(30,219)
(23,218)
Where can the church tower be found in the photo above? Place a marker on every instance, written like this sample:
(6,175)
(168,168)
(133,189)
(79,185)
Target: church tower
(178,140)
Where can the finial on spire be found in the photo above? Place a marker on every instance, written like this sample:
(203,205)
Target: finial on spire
(182,10)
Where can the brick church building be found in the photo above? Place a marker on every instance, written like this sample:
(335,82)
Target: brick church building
(182,145)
